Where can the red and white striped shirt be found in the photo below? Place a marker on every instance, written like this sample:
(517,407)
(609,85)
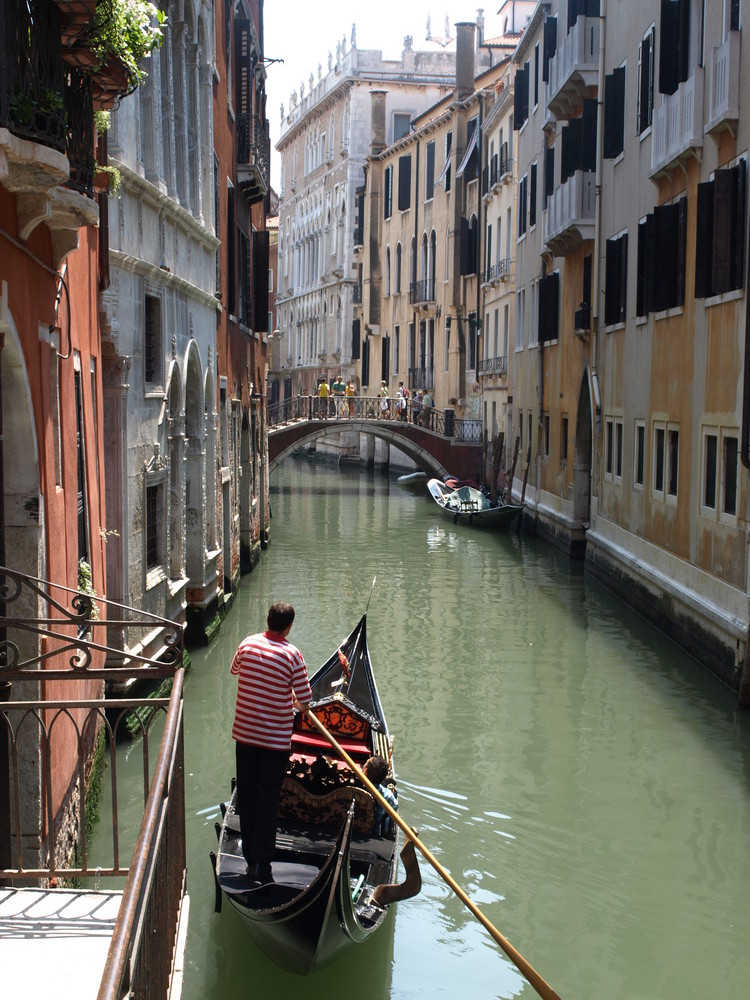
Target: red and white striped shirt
(270,669)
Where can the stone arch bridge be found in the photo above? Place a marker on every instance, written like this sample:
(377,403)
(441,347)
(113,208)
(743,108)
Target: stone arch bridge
(437,442)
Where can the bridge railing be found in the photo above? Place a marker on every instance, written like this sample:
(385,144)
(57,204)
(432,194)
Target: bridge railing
(442,422)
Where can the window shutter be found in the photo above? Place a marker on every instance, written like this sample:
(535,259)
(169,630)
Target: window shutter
(669,46)
(549,308)
(703,240)
(385,357)
(575,7)
(645,89)
(665,217)
(651,258)
(532,195)
(549,171)
(365,362)
(724,198)
(614,113)
(612,283)
(738,217)
(466,247)
(521,97)
(681,252)
(588,136)
(572,149)
(430,171)
(640,274)
(388,193)
(355,339)
(404,182)
(260,279)
(550,45)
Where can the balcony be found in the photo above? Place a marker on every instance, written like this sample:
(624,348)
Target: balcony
(422,292)
(253,157)
(493,366)
(724,101)
(500,271)
(677,127)
(569,217)
(574,69)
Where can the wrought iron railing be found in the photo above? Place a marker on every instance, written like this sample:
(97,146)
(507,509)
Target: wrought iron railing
(422,291)
(54,749)
(493,366)
(253,144)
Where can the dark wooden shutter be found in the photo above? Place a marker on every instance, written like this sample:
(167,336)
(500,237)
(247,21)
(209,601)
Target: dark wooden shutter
(588,136)
(614,113)
(665,217)
(549,172)
(466,247)
(532,195)
(674,44)
(704,240)
(430,171)
(521,97)
(738,249)
(388,192)
(645,90)
(724,227)
(385,359)
(734,16)
(355,339)
(260,280)
(365,361)
(614,286)
(640,274)
(572,149)
(679,298)
(549,307)
(550,45)
(575,7)
(404,182)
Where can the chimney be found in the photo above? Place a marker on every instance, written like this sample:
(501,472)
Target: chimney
(464,59)
(377,111)
(480,24)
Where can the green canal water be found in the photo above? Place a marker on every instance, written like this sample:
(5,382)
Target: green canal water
(583,780)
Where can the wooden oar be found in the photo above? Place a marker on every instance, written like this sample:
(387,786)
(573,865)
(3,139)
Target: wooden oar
(543,988)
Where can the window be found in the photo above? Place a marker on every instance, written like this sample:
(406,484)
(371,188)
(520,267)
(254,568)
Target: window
(388,192)
(404,182)
(445,173)
(550,45)
(549,307)
(660,276)
(401,125)
(720,466)
(521,207)
(734,15)
(429,183)
(618,450)
(710,470)
(545,429)
(387,271)
(673,441)
(396,349)
(154,510)
(720,233)
(152,341)
(658,470)
(536,74)
(674,44)
(578,143)
(521,97)
(613,449)
(469,245)
(469,166)
(646,81)
(549,174)
(520,318)
(616,280)
(398,268)
(639,463)
(666,461)
(608,448)
(532,195)
(614,113)
(564,439)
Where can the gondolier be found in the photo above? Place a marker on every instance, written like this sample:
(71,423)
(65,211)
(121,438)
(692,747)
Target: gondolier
(272,682)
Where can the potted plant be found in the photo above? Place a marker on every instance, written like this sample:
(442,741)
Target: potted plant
(126,31)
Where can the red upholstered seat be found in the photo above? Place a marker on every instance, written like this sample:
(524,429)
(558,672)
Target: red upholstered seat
(356,748)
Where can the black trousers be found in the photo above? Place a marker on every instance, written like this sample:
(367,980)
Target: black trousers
(260,775)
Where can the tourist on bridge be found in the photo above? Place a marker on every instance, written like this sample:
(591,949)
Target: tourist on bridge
(272,682)
(385,411)
(427,408)
(416,406)
(324,391)
(349,392)
(339,388)
(400,402)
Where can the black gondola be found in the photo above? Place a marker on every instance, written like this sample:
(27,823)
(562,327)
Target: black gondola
(336,855)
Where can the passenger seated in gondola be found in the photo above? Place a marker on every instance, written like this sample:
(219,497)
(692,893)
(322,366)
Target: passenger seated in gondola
(376,771)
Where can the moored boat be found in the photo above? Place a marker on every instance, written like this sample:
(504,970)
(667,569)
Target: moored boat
(467,505)
(336,855)
(413,482)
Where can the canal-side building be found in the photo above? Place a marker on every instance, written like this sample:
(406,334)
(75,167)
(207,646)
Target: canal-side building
(52,445)
(159,318)
(325,139)
(497,273)
(670,491)
(555,119)
(241,194)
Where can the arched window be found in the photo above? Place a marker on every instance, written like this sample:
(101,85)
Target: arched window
(398,268)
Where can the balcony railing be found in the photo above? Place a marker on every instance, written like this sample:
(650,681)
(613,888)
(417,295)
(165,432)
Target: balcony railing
(253,156)
(569,218)
(574,69)
(724,102)
(48,747)
(499,271)
(677,127)
(493,366)
(422,291)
